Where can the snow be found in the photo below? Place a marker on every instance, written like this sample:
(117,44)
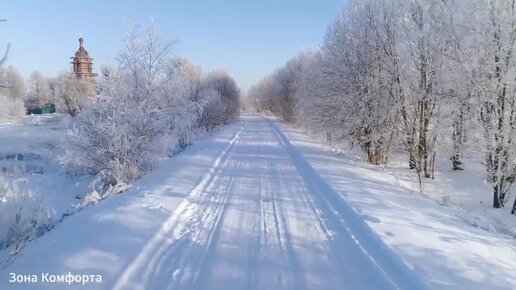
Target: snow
(29,150)
(459,245)
(259,205)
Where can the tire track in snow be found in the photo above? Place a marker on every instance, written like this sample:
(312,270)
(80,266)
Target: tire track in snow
(317,216)
(269,228)
(274,243)
(276,227)
(270,235)
(206,235)
(214,234)
(259,228)
(200,227)
(175,235)
(372,258)
(284,237)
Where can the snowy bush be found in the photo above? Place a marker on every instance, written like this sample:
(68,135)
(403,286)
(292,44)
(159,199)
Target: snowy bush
(213,112)
(225,102)
(118,139)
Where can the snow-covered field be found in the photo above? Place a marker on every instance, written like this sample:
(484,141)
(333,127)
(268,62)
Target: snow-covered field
(259,205)
(33,183)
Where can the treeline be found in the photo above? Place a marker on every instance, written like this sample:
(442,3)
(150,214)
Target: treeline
(150,105)
(64,94)
(429,77)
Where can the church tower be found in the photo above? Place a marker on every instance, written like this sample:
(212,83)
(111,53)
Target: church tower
(83,70)
(83,63)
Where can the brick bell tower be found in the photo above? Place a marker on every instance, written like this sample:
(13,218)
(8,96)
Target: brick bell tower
(83,68)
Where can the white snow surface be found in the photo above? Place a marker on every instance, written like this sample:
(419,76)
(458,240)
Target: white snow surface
(29,150)
(259,205)
(463,244)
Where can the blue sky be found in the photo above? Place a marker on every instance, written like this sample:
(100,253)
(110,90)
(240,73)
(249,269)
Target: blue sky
(246,38)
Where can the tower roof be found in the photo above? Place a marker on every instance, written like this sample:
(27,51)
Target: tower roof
(81,52)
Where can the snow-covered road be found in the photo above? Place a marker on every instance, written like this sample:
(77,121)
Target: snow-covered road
(263,219)
(259,217)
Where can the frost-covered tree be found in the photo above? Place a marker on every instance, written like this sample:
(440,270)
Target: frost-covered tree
(112,137)
(225,104)
(262,95)
(11,90)
(428,77)
(316,109)
(185,78)
(74,94)
(358,77)
(14,83)
(149,106)
(110,81)
(10,107)
(38,88)
(495,70)
(276,93)
(56,99)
